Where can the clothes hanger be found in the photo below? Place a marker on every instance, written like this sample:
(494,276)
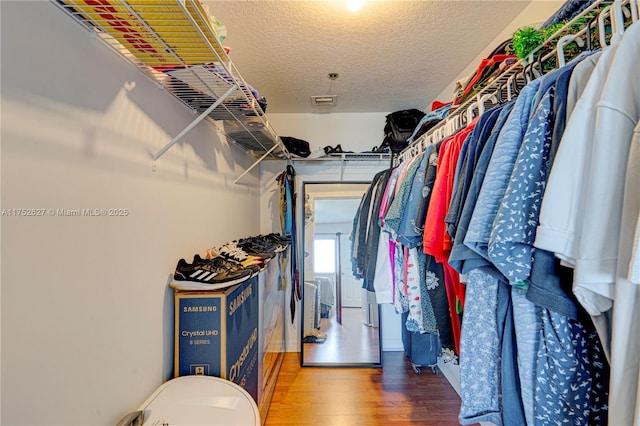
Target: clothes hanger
(616,17)
(528,73)
(512,85)
(564,40)
(635,10)
(508,91)
(589,24)
(521,77)
(617,22)
(602,31)
(540,65)
(627,12)
(470,112)
(499,93)
(484,98)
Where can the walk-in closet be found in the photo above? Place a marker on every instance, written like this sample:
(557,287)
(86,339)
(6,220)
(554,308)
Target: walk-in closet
(320,212)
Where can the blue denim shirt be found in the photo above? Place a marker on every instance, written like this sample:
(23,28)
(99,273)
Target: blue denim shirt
(469,155)
(499,171)
(462,258)
(435,116)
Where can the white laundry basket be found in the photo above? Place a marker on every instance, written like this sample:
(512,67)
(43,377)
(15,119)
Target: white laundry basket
(196,400)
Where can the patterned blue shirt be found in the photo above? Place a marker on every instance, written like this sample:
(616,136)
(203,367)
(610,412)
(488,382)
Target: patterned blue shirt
(499,171)
(408,234)
(514,228)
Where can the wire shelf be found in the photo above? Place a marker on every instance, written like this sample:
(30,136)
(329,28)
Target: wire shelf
(173,43)
(347,156)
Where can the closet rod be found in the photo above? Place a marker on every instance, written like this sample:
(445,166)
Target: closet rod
(459,118)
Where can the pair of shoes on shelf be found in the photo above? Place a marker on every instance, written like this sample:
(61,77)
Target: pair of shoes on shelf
(328,150)
(280,242)
(265,246)
(233,253)
(229,264)
(382,149)
(210,274)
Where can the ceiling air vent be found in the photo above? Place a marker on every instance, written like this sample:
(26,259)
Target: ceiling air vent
(327,100)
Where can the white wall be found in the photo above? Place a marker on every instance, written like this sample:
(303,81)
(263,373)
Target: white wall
(536,13)
(87,315)
(332,228)
(353,132)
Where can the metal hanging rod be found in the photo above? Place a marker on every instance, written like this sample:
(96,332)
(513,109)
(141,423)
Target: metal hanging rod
(464,112)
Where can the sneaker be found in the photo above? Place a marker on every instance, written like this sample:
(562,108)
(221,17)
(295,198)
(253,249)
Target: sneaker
(208,274)
(232,252)
(234,263)
(256,247)
(269,243)
(278,241)
(316,333)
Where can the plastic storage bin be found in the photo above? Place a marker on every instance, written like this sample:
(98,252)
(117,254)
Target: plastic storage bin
(196,400)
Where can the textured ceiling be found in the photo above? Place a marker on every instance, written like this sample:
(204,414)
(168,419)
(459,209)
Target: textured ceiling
(390,55)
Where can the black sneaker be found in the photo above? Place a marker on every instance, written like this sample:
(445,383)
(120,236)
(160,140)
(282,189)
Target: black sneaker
(278,241)
(257,247)
(208,274)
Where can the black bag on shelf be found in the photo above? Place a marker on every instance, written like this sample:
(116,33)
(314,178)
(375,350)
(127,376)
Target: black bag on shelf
(399,127)
(296,146)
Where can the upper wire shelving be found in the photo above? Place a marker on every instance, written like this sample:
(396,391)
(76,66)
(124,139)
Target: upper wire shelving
(174,43)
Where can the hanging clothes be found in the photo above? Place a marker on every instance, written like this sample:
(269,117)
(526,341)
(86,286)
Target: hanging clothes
(625,383)
(530,322)
(286,182)
(466,166)
(366,232)
(436,241)
(560,224)
(542,367)
(462,258)
(609,220)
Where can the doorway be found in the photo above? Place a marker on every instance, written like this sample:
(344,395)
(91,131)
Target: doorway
(341,321)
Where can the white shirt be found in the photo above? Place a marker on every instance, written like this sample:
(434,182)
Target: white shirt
(625,368)
(565,195)
(618,111)
(633,167)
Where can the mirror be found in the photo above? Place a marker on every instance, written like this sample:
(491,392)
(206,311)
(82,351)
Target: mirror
(340,318)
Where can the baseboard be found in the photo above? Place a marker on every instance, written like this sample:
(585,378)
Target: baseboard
(452,373)
(392,345)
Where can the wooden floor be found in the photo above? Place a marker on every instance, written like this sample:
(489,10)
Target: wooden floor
(392,395)
(349,342)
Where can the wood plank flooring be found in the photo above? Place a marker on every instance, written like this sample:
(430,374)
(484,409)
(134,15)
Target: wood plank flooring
(392,395)
(351,342)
